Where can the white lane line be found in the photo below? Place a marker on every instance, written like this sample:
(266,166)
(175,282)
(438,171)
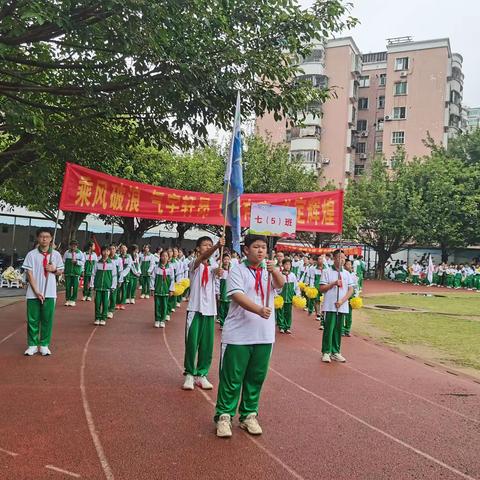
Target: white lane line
(88,414)
(61,470)
(11,334)
(256,442)
(8,452)
(376,429)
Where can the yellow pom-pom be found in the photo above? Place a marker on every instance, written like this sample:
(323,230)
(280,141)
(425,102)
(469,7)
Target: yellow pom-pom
(278,302)
(178,289)
(311,292)
(185,283)
(356,302)
(301,286)
(299,302)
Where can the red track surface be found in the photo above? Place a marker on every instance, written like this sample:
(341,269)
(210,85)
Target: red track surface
(380,416)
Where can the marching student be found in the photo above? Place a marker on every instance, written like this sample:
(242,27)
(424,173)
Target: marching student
(90,259)
(247,338)
(457,277)
(147,264)
(125,264)
(221,290)
(104,282)
(164,286)
(297,262)
(337,285)
(42,265)
(359,268)
(115,292)
(73,260)
(201,312)
(289,290)
(416,270)
(347,325)
(133,275)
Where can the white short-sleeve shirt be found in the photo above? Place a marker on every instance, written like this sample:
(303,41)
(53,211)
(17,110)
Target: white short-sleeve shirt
(34,263)
(202,298)
(330,297)
(241,326)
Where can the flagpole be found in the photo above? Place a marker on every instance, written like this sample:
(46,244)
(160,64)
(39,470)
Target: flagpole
(51,251)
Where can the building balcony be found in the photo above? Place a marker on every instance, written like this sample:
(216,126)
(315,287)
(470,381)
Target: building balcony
(454,109)
(305,144)
(309,131)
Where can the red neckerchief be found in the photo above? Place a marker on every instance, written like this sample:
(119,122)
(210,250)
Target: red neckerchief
(205,274)
(74,255)
(164,272)
(45,261)
(105,264)
(89,257)
(258,281)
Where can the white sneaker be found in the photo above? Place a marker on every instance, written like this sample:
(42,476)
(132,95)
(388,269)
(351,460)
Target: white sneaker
(326,358)
(251,425)
(84,299)
(162,324)
(203,383)
(147,296)
(89,299)
(179,305)
(167,318)
(189,383)
(142,296)
(224,426)
(321,327)
(45,351)
(31,351)
(338,358)
(127,300)
(73,304)
(110,315)
(173,310)
(103,322)
(96,322)
(157,324)
(67,303)
(132,301)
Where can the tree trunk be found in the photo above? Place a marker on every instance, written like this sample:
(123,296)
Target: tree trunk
(130,234)
(383,257)
(444,252)
(70,225)
(182,228)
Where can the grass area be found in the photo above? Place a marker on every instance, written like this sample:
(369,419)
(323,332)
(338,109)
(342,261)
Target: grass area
(455,304)
(443,338)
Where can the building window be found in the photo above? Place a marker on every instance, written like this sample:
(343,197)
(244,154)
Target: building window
(315,56)
(383,79)
(455,97)
(398,138)
(359,170)
(305,156)
(364,81)
(400,88)
(379,146)
(361,125)
(381,101)
(399,113)
(361,147)
(363,103)
(380,125)
(401,63)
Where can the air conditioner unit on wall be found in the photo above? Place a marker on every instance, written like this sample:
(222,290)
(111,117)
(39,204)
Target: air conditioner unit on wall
(403,74)
(325,161)
(364,134)
(387,118)
(363,156)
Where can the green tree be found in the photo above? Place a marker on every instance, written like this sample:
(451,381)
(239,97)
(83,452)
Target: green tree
(383,209)
(171,66)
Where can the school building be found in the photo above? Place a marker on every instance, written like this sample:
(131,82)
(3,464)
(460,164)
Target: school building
(382,102)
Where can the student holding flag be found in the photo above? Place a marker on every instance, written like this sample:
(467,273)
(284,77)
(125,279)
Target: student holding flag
(74,260)
(41,264)
(90,260)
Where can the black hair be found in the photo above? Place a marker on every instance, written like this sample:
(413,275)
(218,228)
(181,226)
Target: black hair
(113,244)
(203,239)
(286,260)
(227,254)
(251,238)
(73,242)
(338,251)
(314,258)
(348,260)
(44,230)
(104,247)
(145,246)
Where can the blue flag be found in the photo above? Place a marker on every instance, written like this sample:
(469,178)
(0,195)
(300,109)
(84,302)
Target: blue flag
(233,187)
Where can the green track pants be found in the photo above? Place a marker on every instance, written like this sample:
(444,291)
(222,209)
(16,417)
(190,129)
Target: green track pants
(71,287)
(102,299)
(199,337)
(332,335)
(40,321)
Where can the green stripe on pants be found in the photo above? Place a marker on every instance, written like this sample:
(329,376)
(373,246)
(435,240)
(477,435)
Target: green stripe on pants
(332,335)
(40,321)
(161,306)
(243,369)
(199,336)
(101,304)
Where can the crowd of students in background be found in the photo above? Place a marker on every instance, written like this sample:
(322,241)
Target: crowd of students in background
(449,275)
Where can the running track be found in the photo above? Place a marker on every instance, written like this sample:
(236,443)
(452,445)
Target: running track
(108,405)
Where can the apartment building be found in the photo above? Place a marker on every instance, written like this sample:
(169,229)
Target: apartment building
(472,118)
(408,92)
(382,101)
(325,142)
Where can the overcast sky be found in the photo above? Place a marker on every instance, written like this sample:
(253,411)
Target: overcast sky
(458,20)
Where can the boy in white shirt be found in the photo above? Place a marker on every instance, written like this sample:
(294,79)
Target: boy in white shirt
(247,337)
(41,264)
(347,326)
(201,312)
(337,285)
(73,260)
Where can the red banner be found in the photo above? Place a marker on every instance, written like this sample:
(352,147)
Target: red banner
(316,251)
(89,191)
